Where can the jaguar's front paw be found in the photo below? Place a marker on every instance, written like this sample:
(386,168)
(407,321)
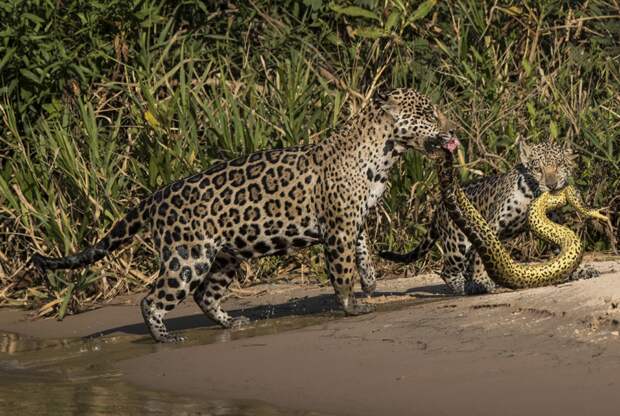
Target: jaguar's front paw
(369,287)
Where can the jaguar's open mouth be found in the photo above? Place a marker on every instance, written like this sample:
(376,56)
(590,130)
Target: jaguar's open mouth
(451,144)
(442,141)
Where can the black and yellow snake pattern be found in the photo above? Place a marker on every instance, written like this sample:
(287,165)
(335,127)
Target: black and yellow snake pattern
(501,268)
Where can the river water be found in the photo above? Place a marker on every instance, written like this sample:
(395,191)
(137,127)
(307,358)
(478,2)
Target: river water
(78,376)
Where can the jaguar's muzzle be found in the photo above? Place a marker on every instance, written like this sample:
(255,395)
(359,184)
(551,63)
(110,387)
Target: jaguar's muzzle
(443,141)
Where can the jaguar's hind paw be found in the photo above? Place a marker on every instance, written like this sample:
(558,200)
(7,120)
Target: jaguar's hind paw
(584,272)
(359,309)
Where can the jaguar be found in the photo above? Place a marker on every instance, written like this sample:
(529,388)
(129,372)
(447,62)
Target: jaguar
(498,263)
(503,200)
(269,203)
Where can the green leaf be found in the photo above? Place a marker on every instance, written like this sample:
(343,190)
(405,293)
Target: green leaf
(33,18)
(370,32)
(65,301)
(314,4)
(527,67)
(392,20)
(422,10)
(9,53)
(30,75)
(531,110)
(334,39)
(354,11)
(553,130)
(443,47)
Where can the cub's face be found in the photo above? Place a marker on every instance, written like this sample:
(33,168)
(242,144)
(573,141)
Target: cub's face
(549,163)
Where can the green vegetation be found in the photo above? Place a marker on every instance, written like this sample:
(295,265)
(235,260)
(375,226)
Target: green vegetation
(101,102)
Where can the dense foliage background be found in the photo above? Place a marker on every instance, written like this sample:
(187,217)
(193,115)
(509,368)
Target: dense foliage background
(101,102)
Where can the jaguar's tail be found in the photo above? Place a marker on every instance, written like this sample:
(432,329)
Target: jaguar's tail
(121,233)
(421,249)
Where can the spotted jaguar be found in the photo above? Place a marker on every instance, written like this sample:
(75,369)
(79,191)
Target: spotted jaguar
(269,203)
(503,200)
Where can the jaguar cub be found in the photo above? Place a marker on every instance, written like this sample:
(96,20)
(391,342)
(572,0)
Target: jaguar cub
(269,203)
(503,200)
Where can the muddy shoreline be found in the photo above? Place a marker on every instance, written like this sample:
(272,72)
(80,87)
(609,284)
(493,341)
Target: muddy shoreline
(553,349)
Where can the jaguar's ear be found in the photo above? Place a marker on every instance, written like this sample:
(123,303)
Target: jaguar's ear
(381,96)
(390,106)
(525,152)
(445,124)
(443,120)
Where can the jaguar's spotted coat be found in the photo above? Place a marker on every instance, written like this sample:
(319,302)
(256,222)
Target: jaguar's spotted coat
(268,203)
(503,200)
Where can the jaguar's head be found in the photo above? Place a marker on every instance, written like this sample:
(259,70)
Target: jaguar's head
(418,123)
(550,164)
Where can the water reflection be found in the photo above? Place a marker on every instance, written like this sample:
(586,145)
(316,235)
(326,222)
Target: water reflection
(78,377)
(13,343)
(49,394)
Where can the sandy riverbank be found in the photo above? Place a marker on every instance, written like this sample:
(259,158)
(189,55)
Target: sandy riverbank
(549,350)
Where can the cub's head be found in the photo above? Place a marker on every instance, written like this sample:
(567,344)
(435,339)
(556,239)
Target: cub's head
(418,124)
(549,163)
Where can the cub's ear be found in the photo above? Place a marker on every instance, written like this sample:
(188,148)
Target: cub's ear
(525,152)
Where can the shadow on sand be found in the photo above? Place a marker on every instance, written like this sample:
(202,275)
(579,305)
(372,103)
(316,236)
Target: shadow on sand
(315,305)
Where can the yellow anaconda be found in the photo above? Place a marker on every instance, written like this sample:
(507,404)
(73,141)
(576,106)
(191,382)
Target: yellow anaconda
(496,259)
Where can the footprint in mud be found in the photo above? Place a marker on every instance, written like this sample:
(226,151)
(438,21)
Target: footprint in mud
(537,312)
(605,321)
(491,306)
(532,311)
